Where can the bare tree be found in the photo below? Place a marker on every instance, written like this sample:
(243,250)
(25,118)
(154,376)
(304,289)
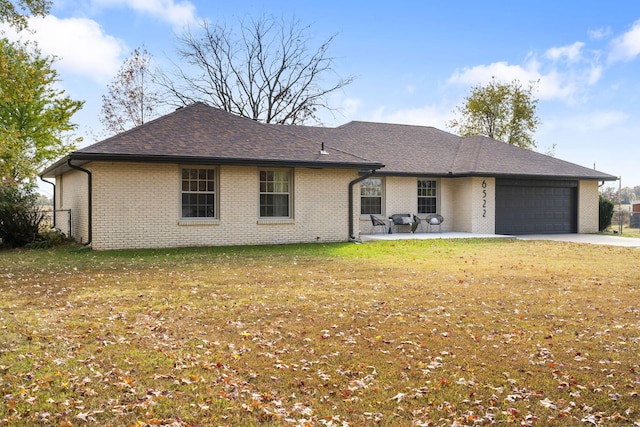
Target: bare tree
(132,98)
(267,72)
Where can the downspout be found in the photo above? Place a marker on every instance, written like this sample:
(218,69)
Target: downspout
(54,200)
(351,184)
(89,206)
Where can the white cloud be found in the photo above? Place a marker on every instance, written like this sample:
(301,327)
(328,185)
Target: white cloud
(594,74)
(572,52)
(429,115)
(600,33)
(549,86)
(599,120)
(178,14)
(562,73)
(627,46)
(350,106)
(502,71)
(80,45)
(343,109)
(589,122)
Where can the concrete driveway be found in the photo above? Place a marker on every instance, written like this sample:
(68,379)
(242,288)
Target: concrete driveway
(594,239)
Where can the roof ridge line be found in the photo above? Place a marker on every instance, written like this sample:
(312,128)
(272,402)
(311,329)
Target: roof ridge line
(143,125)
(287,128)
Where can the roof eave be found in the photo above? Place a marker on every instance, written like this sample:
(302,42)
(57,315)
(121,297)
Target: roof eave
(193,160)
(52,170)
(579,177)
(468,174)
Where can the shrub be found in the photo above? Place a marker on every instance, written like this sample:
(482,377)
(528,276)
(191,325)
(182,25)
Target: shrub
(606,213)
(20,219)
(47,239)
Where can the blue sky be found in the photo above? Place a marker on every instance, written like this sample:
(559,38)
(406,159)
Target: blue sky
(414,60)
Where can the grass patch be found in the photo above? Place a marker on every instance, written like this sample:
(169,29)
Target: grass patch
(433,332)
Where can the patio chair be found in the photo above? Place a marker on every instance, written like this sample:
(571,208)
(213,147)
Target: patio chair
(378,222)
(402,219)
(435,220)
(417,222)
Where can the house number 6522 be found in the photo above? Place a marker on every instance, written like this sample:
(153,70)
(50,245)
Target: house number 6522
(484,198)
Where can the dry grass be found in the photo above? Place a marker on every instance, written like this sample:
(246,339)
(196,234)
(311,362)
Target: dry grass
(629,232)
(410,333)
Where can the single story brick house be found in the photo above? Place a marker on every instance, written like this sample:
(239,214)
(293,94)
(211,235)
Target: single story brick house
(203,177)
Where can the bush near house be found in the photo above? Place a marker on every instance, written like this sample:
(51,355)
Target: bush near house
(19,218)
(606,213)
(22,221)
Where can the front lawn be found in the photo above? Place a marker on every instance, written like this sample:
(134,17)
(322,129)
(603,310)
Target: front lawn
(406,333)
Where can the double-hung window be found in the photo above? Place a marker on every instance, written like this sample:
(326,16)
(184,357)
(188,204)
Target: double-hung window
(275,193)
(371,196)
(198,193)
(427,196)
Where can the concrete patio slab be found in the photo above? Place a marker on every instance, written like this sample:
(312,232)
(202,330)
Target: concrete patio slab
(427,236)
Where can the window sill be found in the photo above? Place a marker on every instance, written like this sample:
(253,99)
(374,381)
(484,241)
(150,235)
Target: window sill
(275,221)
(199,222)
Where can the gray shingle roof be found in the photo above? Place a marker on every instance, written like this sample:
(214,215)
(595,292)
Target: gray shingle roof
(421,150)
(203,134)
(408,149)
(485,156)
(199,133)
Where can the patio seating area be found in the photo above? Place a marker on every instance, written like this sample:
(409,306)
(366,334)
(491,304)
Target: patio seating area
(406,223)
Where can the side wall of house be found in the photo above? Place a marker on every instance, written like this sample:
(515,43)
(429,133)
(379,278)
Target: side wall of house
(483,201)
(138,205)
(468,204)
(72,192)
(461,198)
(401,195)
(588,207)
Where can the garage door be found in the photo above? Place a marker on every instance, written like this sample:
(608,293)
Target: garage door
(536,207)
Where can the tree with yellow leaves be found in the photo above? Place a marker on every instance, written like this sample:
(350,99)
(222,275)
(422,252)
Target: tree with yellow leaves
(35,114)
(16,12)
(502,111)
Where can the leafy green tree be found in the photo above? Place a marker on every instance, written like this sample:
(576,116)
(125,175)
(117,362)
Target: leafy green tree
(35,114)
(132,98)
(503,111)
(16,12)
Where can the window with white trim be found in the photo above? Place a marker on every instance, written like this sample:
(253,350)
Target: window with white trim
(275,193)
(198,193)
(427,196)
(371,196)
